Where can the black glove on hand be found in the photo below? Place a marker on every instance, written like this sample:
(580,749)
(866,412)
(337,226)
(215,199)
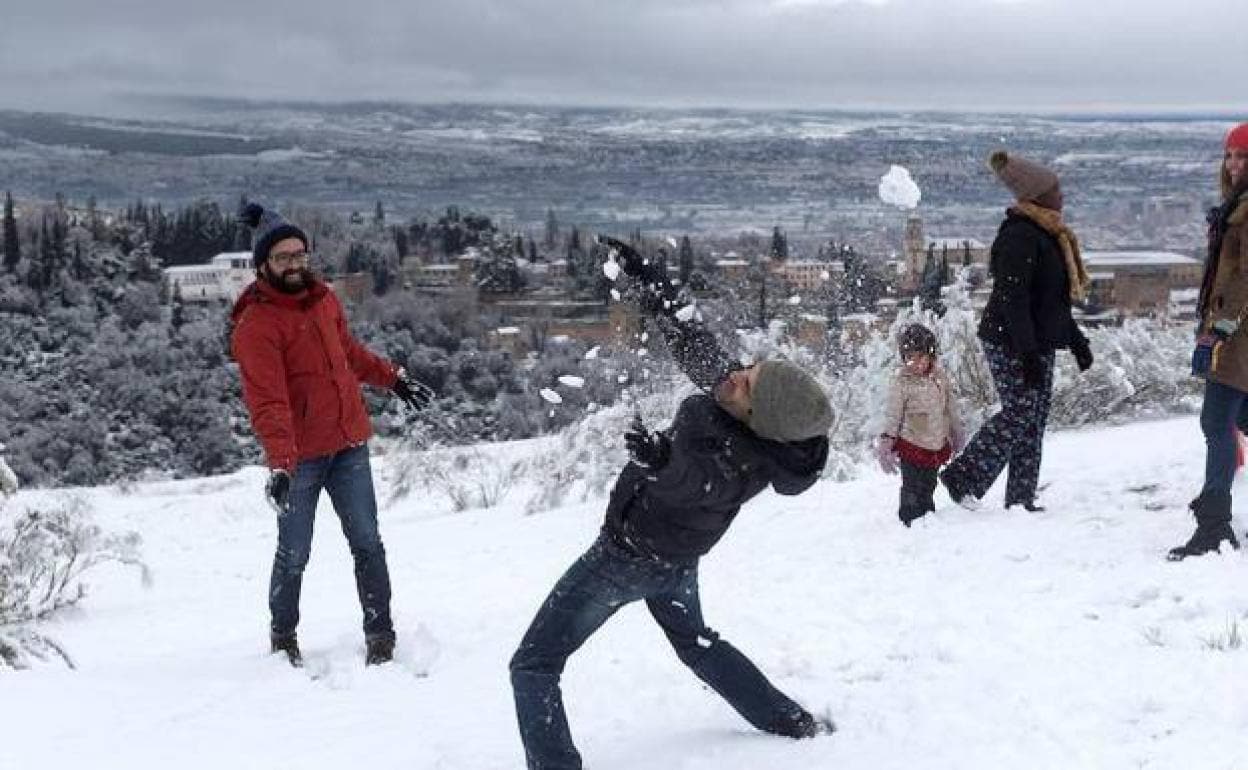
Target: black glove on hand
(1083,354)
(628,258)
(1033,370)
(655,294)
(412,391)
(278,490)
(649,450)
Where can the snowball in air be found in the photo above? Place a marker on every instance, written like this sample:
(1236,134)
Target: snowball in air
(897,188)
(571,380)
(550,396)
(592,352)
(611,269)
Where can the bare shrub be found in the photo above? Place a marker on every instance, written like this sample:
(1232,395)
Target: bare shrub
(44,555)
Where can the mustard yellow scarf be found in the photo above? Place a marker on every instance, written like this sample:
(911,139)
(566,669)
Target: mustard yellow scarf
(1051,221)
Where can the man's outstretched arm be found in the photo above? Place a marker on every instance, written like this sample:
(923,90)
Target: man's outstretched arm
(693,346)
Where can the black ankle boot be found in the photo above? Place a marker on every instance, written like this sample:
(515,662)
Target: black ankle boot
(378,649)
(801,725)
(1031,506)
(1213,526)
(1207,538)
(288,644)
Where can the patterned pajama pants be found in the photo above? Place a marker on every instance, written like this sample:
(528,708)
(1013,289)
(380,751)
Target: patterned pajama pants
(1012,437)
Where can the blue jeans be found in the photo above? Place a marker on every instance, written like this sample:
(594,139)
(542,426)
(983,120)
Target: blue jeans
(348,478)
(605,578)
(1221,416)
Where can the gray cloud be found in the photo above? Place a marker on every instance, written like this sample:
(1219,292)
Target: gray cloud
(984,54)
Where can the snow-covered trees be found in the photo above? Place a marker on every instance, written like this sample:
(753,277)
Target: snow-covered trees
(1141,370)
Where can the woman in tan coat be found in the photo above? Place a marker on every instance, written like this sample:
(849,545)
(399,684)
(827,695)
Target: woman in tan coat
(1222,350)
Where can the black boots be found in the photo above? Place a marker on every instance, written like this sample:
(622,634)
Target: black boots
(802,725)
(378,649)
(288,644)
(1031,506)
(1213,526)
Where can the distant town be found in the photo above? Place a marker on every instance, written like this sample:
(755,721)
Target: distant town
(546,302)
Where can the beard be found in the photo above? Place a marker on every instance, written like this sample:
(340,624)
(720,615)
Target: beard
(290,281)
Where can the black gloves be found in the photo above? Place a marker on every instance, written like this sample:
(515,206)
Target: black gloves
(1083,353)
(412,391)
(278,490)
(656,295)
(649,450)
(629,259)
(1033,369)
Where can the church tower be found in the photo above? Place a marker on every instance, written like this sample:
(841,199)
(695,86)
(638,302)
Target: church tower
(915,252)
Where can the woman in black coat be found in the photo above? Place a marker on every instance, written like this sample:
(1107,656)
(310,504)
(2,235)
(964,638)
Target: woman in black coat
(1037,274)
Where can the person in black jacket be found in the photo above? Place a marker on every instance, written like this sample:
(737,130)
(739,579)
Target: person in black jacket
(1037,274)
(752,427)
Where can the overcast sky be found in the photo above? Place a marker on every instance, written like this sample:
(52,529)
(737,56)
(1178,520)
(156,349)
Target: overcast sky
(89,55)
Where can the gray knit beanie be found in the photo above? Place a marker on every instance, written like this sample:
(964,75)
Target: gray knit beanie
(1027,179)
(788,404)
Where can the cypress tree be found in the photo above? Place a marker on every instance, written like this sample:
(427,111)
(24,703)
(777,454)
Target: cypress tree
(12,244)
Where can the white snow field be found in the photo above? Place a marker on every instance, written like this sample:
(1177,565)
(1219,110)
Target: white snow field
(990,639)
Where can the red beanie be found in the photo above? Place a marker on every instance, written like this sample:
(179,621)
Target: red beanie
(1238,137)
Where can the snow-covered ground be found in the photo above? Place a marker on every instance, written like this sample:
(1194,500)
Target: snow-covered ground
(976,640)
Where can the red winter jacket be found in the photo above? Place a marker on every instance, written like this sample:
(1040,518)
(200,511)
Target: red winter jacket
(301,371)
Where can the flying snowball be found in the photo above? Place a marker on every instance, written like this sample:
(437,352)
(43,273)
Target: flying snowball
(897,188)
(611,269)
(571,380)
(551,396)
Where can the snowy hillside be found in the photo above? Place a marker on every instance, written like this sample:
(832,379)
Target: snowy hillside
(975,640)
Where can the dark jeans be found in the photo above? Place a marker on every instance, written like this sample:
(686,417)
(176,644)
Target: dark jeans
(605,578)
(918,483)
(349,480)
(1221,414)
(1012,437)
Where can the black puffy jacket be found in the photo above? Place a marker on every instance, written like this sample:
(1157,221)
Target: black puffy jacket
(679,512)
(716,463)
(1029,308)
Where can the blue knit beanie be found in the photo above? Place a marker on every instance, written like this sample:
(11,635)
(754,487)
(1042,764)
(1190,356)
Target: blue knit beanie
(267,228)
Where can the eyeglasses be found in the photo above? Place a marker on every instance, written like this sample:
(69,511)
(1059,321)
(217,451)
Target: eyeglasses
(290,258)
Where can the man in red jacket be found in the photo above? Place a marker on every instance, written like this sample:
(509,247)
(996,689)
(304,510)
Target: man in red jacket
(301,372)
